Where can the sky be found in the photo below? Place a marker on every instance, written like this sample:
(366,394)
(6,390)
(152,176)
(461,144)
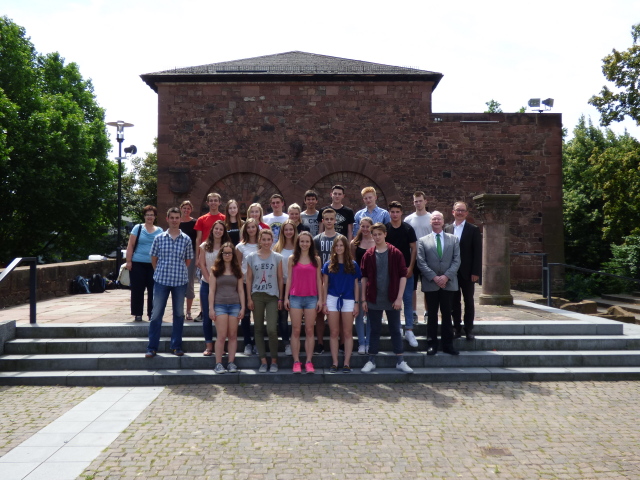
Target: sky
(503,50)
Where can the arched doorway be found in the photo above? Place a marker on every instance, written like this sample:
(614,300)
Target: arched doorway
(245,188)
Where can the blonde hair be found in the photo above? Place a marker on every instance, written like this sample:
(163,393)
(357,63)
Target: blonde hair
(366,190)
(294,206)
(259,207)
(282,241)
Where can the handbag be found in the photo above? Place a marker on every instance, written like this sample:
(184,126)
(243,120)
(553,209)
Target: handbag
(123,276)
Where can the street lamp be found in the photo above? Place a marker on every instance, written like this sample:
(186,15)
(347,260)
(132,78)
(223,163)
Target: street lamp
(120,126)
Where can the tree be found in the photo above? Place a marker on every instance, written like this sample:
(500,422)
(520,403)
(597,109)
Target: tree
(56,181)
(623,69)
(140,185)
(492,107)
(601,188)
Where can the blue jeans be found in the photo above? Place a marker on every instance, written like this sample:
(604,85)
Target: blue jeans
(207,323)
(160,297)
(393,317)
(407,300)
(363,331)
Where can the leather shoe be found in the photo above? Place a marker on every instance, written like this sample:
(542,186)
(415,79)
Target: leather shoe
(450,351)
(457,332)
(431,351)
(470,335)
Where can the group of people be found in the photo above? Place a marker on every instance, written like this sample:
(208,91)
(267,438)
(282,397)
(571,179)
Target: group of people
(305,266)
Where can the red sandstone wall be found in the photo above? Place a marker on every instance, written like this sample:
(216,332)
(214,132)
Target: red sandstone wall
(294,136)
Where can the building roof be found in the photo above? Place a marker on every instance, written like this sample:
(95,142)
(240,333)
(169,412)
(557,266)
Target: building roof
(296,65)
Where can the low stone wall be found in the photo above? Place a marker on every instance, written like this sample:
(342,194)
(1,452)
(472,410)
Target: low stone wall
(52,280)
(7,332)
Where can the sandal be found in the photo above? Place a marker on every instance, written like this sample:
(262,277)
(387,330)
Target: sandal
(207,352)
(189,318)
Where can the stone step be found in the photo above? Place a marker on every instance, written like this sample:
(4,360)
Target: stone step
(484,359)
(542,327)
(23,346)
(380,375)
(622,298)
(606,303)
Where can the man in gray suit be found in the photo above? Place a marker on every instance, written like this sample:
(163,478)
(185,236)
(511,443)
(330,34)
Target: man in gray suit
(438,261)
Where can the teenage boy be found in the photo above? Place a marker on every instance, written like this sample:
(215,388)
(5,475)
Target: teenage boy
(420,220)
(344,215)
(371,210)
(323,243)
(277,217)
(310,216)
(384,275)
(402,236)
(171,254)
(294,212)
(203,227)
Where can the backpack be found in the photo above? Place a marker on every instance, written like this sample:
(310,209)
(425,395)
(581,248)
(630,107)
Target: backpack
(79,285)
(97,283)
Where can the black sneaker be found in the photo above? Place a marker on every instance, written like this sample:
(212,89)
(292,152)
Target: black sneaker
(198,318)
(138,318)
(319,349)
(341,349)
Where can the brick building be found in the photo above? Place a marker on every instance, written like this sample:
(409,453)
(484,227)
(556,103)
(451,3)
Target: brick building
(292,121)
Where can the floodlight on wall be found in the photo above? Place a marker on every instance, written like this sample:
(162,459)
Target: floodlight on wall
(534,104)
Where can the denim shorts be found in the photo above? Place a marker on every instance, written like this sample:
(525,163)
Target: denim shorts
(231,309)
(303,303)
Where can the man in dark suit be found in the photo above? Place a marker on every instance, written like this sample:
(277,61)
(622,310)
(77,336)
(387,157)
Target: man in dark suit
(470,269)
(438,262)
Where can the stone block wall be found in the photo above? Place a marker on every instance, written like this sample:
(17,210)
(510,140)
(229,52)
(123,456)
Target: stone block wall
(52,280)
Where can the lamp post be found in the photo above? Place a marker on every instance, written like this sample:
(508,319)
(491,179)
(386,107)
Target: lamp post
(120,126)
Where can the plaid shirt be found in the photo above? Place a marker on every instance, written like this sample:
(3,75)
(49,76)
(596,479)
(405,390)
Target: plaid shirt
(378,215)
(171,269)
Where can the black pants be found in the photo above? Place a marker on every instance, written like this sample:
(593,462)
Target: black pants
(141,276)
(465,292)
(440,300)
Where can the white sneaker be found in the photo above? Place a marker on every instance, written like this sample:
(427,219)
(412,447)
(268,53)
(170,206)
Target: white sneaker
(411,338)
(426,315)
(248,349)
(403,367)
(361,350)
(366,349)
(369,367)
(287,350)
(255,350)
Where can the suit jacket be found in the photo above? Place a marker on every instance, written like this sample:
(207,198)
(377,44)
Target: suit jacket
(470,250)
(431,266)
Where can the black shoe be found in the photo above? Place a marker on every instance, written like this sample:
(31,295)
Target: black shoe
(470,335)
(432,351)
(138,318)
(198,318)
(319,349)
(457,332)
(450,351)
(177,352)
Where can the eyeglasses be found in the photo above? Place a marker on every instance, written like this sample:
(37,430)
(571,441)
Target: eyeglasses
(457,210)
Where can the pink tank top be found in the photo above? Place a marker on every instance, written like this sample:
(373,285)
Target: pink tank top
(303,280)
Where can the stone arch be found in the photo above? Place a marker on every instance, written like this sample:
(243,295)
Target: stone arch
(349,174)
(250,172)
(245,188)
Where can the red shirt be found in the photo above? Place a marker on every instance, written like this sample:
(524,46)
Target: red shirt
(205,223)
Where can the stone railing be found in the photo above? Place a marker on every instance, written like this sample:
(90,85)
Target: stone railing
(52,280)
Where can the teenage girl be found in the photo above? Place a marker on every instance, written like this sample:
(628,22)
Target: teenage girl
(264,274)
(340,277)
(226,303)
(255,211)
(284,246)
(363,242)
(232,221)
(246,247)
(208,253)
(303,296)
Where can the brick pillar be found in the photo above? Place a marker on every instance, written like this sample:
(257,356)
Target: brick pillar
(496,213)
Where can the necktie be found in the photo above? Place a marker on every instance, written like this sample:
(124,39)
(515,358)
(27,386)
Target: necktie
(439,245)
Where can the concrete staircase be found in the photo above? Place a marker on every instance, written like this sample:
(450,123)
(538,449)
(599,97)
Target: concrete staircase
(113,355)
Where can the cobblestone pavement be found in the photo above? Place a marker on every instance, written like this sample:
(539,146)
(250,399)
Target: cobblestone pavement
(26,410)
(505,430)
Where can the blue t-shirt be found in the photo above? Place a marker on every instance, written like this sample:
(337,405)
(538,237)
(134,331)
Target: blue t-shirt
(341,283)
(143,251)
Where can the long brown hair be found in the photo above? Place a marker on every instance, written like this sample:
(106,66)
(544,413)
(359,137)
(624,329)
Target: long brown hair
(218,266)
(243,231)
(208,246)
(227,217)
(356,241)
(334,264)
(297,251)
(282,241)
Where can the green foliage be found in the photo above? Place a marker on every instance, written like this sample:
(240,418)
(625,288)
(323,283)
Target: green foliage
(579,286)
(522,110)
(140,185)
(492,107)
(623,69)
(56,181)
(625,261)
